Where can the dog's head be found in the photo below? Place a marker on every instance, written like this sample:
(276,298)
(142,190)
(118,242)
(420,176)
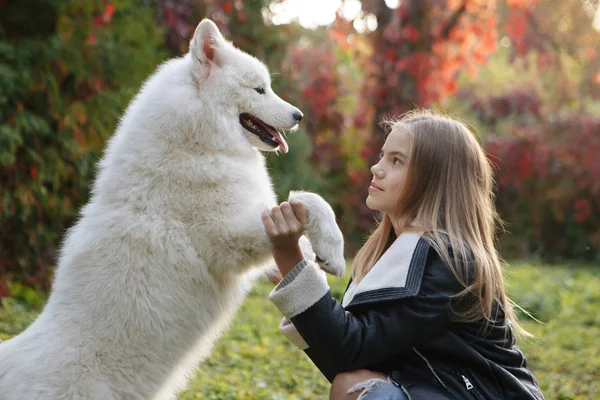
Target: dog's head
(237,79)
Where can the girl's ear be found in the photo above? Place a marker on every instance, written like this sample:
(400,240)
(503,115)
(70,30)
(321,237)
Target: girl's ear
(207,42)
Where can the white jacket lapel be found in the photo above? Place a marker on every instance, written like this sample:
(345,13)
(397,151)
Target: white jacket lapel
(390,271)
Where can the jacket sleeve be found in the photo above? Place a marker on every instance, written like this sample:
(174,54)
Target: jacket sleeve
(338,340)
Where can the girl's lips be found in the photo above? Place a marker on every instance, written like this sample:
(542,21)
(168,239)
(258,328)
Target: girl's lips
(374,186)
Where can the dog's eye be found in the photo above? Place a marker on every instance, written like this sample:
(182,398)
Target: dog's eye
(260,90)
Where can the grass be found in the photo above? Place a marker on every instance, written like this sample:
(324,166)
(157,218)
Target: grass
(254,361)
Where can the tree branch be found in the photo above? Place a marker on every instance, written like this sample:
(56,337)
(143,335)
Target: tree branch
(453,20)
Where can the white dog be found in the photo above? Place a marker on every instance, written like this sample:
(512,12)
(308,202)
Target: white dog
(171,239)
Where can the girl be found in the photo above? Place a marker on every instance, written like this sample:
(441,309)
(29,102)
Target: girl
(425,315)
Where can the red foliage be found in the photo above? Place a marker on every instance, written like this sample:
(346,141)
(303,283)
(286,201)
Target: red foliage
(411,33)
(181,18)
(109,10)
(321,84)
(106,17)
(177,16)
(420,48)
(227,6)
(99,21)
(548,175)
(428,43)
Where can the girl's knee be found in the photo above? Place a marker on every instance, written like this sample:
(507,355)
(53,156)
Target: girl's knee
(352,380)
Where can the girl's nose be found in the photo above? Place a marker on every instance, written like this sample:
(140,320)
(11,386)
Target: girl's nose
(376,171)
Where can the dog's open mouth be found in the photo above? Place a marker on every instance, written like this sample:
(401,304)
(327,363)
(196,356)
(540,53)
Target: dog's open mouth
(265,132)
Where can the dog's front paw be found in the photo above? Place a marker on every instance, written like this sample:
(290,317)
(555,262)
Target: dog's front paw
(330,257)
(325,236)
(306,248)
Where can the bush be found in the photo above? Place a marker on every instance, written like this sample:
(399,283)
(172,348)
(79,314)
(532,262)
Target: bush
(547,175)
(67,70)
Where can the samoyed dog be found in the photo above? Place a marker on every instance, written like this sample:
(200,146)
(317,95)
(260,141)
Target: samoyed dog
(172,237)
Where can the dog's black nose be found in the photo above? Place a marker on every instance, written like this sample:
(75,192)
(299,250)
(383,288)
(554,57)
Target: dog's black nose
(298,116)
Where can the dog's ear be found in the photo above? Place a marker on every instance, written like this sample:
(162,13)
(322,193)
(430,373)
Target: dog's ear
(206,42)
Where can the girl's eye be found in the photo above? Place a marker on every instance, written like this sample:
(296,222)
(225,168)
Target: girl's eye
(398,161)
(260,90)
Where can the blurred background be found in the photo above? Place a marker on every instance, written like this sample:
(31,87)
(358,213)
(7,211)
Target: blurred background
(524,73)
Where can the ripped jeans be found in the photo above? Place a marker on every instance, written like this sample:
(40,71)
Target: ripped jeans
(379,389)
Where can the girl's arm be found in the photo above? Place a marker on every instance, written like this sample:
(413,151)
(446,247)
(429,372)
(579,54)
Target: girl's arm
(338,340)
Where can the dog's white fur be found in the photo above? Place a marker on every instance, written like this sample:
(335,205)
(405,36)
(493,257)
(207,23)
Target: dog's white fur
(171,240)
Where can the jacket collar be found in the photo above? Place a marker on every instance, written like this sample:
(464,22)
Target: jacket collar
(397,274)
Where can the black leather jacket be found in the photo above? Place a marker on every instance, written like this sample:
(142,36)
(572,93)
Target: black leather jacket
(406,332)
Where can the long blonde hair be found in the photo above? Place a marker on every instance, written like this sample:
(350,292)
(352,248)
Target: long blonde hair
(448,195)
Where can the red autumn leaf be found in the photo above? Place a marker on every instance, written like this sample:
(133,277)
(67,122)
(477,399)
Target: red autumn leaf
(411,33)
(33,172)
(227,7)
(390,54)
(451,87)
(109,10)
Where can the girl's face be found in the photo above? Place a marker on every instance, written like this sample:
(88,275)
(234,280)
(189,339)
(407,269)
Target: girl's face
(389,173)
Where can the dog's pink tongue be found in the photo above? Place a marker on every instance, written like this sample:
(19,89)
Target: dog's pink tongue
(279,139)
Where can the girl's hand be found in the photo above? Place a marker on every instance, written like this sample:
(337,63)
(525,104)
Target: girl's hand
(284,225)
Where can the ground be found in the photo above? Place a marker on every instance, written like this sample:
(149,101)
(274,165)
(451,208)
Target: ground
(253,360)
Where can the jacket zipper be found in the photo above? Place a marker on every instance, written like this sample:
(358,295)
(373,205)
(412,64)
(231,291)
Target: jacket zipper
(430,368)
(468,383)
